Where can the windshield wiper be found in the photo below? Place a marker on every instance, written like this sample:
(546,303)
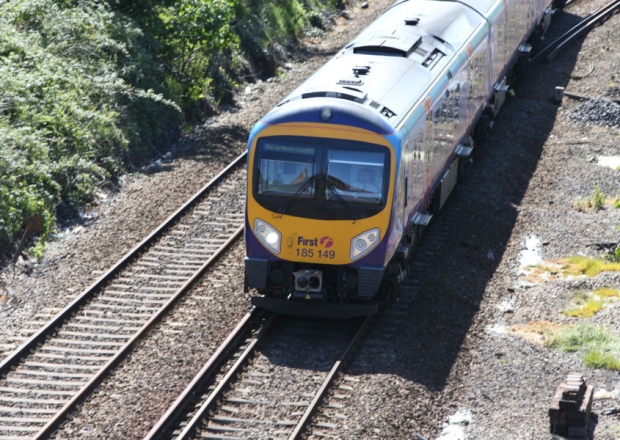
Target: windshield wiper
(344,203)
(301,189)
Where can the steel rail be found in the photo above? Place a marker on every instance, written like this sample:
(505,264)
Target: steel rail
(14,358)
(205,373)
(550,51)
(587,24)
(216,394)
(305,419)
(115,360)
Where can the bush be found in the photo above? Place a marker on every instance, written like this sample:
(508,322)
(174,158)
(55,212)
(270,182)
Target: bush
(66,112)
(90,87)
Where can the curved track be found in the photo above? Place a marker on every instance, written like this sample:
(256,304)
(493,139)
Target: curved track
(43,380)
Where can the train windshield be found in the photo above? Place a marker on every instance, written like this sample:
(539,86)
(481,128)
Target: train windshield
(321,178)
(356,176)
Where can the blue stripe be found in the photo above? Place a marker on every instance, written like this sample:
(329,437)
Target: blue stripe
(344,112)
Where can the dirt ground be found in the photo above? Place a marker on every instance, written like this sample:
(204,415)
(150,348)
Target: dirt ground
(473,365)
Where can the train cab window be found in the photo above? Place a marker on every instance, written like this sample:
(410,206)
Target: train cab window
(356,176)
(286,170)
(320,178)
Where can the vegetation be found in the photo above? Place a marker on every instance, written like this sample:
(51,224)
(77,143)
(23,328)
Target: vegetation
(614,255)
(91,87)
(574,266)
(579,265)
(586,305)
(601,349)
(586,309)
(595,202)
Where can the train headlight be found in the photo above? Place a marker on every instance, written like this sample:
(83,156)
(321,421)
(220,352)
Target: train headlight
(364,243)
(325,114)
(268,235)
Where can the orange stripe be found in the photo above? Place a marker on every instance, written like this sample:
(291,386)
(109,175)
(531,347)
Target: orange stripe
(428,105)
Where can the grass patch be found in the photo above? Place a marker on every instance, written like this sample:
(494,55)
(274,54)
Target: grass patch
(588,266)
(601,348)
(585,310)
(601,361)
(586,305)
(607,292)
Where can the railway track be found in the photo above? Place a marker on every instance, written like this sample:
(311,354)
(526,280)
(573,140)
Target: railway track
(270,387)
(593,19)
(276,380)
(61,363)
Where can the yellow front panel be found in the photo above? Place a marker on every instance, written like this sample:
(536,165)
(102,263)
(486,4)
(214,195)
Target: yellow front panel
(319,241)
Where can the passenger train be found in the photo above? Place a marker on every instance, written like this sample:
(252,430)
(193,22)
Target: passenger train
(344,173)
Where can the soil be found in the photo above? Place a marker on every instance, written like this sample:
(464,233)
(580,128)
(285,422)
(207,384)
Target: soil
(470,360)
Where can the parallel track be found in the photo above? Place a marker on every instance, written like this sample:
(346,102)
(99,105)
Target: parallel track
(550,51)
(44,379)
(272,387)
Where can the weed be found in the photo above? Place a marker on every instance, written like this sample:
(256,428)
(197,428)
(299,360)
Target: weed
(585,310)
(594,203)
(587,304)
(599,346)
(614,256)
(598,199)
(580,265)
(607,292)
(583,337)
(601,360)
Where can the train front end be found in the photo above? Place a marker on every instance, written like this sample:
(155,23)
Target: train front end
(318,213)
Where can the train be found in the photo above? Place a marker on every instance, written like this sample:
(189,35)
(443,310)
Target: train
(346,171)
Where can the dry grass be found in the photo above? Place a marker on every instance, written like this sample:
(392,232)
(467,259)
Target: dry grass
(537,332)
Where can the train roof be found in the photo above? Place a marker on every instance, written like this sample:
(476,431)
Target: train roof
(392,63)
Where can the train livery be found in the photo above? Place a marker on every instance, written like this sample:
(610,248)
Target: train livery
(347,169)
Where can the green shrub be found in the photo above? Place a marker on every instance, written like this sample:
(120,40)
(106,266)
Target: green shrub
(91,87)
(66,111)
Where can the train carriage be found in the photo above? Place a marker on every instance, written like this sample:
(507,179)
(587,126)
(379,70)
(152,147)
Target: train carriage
(344,172)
